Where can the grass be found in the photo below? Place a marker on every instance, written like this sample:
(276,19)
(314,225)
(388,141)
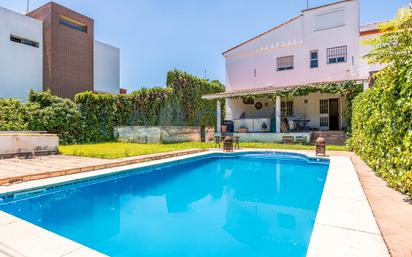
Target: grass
(120,150)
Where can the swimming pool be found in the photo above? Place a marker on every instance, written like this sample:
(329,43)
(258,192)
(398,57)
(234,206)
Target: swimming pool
(248,204)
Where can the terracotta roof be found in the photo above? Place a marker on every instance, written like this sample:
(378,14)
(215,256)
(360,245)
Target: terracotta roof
(266,90)
(282,24)
(371,28)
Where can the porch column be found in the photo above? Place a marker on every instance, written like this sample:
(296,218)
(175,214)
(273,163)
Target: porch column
(278,113)
(218,117)
(365,85)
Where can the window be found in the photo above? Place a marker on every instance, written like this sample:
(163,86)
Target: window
(284,63)
(324,122)
(73,24)
(336,54)
(324,106)
(329,20)
(314,63)
(24,41)
(287,108)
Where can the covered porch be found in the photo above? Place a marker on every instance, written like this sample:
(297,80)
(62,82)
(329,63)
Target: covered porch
(283,114)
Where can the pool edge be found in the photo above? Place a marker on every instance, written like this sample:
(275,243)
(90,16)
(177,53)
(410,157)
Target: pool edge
(323,241)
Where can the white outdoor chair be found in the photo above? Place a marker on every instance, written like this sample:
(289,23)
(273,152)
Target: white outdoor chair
(292,125)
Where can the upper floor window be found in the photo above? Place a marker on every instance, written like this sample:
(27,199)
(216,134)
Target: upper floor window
(24,41)
(286,108)
(72,24)
(336,54)
(330,19)
(284,63)
(314,61)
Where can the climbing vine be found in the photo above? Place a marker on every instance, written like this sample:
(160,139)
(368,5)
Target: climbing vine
(349,89)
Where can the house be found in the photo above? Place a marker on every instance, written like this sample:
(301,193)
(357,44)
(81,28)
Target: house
(53,48)
(319,48)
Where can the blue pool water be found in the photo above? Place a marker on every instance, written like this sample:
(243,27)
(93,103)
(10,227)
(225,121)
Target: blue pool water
(251,205)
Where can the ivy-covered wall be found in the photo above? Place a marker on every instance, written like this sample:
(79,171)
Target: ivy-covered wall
(382,115)
(193,110)
(92,117)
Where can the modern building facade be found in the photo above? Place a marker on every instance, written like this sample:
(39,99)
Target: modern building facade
(21,54)
(72,60)
(321,45)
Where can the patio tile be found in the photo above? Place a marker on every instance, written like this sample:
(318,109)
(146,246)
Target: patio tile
(84,251)
(6,218)
(28,240)
(339,242)
(347,213)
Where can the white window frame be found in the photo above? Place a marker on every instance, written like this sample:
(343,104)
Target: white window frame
(314,59)
(335,55)
(285,63)
(324,114)
(286,108)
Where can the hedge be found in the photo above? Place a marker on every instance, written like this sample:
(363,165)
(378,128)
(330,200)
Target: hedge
(382,115)
(92,117)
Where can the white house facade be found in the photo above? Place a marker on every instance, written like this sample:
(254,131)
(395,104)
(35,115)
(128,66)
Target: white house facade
(321,45)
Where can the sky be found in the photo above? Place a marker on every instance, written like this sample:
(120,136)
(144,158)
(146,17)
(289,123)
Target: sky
(155,36)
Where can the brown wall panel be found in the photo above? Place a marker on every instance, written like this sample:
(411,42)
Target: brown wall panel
(68,53)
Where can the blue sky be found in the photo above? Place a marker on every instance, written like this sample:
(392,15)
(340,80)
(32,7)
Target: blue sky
(155,36)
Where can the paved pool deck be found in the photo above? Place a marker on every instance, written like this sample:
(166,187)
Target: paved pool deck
(345,225)
(17,170)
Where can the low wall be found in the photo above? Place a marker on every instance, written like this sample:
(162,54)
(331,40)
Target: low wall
(270,137)
(19,143)
(163,134)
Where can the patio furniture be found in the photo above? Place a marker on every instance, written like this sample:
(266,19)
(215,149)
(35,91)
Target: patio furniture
(228,144)
(284,126)
(292,125)
(301,125)
(217,141)
(288,139)
(236,142)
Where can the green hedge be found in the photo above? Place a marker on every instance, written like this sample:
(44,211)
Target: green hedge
(382,115)
(192,110)
(92,117)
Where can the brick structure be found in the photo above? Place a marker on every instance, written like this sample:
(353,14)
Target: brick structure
(68,50)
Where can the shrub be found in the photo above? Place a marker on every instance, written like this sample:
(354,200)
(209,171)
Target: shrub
(92,117)
(382,115)
(14,115)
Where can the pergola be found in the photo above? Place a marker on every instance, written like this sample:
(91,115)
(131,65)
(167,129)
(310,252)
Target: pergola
(276,92)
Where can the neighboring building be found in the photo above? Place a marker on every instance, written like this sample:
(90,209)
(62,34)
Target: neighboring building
(21,54)
(73,61)
(320,45)
(106,68)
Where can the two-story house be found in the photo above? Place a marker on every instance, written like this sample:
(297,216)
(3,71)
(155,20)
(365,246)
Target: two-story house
(321,45)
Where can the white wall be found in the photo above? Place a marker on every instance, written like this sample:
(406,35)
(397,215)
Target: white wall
(21,66)
(364,66)
(298,38)
(106,68)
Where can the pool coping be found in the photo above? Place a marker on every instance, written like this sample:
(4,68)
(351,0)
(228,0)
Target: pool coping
(344,224)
